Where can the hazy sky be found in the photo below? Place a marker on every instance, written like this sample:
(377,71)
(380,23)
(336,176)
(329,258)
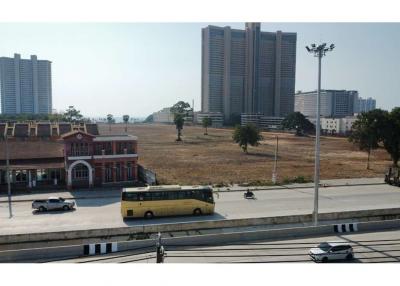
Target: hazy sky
(137,69)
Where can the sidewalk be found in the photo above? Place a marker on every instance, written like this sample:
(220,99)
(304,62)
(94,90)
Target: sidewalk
(95,193)
(98,193)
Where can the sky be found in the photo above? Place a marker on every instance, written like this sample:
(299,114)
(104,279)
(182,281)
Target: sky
(140,68)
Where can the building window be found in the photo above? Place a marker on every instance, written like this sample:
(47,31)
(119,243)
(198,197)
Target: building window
(118,172)
(129,171)
(80,172)
(107,147)
(80,149)
(42,175)
(55,174)
(108,173)
(20,176)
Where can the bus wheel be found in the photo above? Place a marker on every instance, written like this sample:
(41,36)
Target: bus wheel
(197,212)
(148,215)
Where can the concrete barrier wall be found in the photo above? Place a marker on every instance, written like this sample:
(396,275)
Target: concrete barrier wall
(362,215)
(50,253)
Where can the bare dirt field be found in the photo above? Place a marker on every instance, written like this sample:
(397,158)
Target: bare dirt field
(216,159)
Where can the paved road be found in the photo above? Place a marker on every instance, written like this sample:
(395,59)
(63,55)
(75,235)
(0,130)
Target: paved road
(105,212)
(375,247)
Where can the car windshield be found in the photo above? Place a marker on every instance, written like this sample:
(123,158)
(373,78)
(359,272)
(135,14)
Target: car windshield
(61,199)
(324,246)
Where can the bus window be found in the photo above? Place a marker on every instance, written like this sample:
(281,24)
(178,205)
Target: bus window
(147,196)
(172,195)
(140,196)
(129,196)
(184,195)
(208,197)
(157,196)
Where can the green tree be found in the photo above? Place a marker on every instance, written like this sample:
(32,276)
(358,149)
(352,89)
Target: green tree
(179,120)
(72,115)
(391,135)
(367,131)
(246,135)
(125,118)
(206,121)
(110,120)
(181,111)
(298,122)
(181,107)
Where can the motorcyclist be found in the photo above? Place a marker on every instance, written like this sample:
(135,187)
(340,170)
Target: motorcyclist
(249,193)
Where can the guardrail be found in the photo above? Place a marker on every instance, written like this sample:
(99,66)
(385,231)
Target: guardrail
(75,251)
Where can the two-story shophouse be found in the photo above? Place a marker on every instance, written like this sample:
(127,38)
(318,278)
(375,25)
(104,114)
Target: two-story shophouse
(64,154)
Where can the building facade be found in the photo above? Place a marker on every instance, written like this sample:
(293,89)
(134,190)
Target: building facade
(25,85)
(66,155)
(248,71)
(333,103)
(336,126)
(365,105)
(217,118)
(163,116)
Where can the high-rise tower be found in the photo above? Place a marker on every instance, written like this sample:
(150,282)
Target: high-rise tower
(25,85)
(248,71)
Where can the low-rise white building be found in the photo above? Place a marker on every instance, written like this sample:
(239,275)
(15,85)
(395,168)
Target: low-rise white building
(163,116)
(333,126)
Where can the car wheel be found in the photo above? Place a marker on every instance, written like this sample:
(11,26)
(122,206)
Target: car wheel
(42,209)
(148,215)
(325,259)
(65,208)
(349,256)
(197,212)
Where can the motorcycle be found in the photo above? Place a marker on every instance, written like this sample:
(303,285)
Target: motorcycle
(249,195)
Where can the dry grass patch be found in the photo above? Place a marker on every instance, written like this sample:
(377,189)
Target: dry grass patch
(216,159)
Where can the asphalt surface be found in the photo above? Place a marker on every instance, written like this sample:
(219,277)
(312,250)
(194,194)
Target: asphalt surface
(97,213)
(374,247)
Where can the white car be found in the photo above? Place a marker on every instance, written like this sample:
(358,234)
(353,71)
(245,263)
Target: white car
(327,251)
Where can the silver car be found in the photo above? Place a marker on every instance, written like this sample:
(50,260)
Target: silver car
(53,203)
(328,251)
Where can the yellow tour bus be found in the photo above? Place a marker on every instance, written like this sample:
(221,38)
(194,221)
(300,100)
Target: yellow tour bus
(166,200)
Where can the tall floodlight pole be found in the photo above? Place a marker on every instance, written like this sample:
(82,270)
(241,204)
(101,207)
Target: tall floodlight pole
(318,51)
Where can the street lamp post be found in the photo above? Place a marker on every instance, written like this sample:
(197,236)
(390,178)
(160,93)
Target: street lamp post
(318,51)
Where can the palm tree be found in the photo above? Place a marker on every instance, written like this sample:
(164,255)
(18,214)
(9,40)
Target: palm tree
(110,119)
(126,119)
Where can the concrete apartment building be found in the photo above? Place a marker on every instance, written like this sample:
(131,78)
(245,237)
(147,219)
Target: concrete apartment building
(247,71)
(25,85)
(334,103)
(335,126)
(365,105)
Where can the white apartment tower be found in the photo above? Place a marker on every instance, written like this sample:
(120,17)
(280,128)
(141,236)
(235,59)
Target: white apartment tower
(334,103)
(25,85)
(248,71)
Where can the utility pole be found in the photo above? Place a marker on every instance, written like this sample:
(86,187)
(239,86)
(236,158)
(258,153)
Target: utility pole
(8,176)
(159,249)
(319,52)
(274,174)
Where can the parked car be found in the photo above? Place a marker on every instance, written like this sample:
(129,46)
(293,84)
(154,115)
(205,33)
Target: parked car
(53,203)
(327,251)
